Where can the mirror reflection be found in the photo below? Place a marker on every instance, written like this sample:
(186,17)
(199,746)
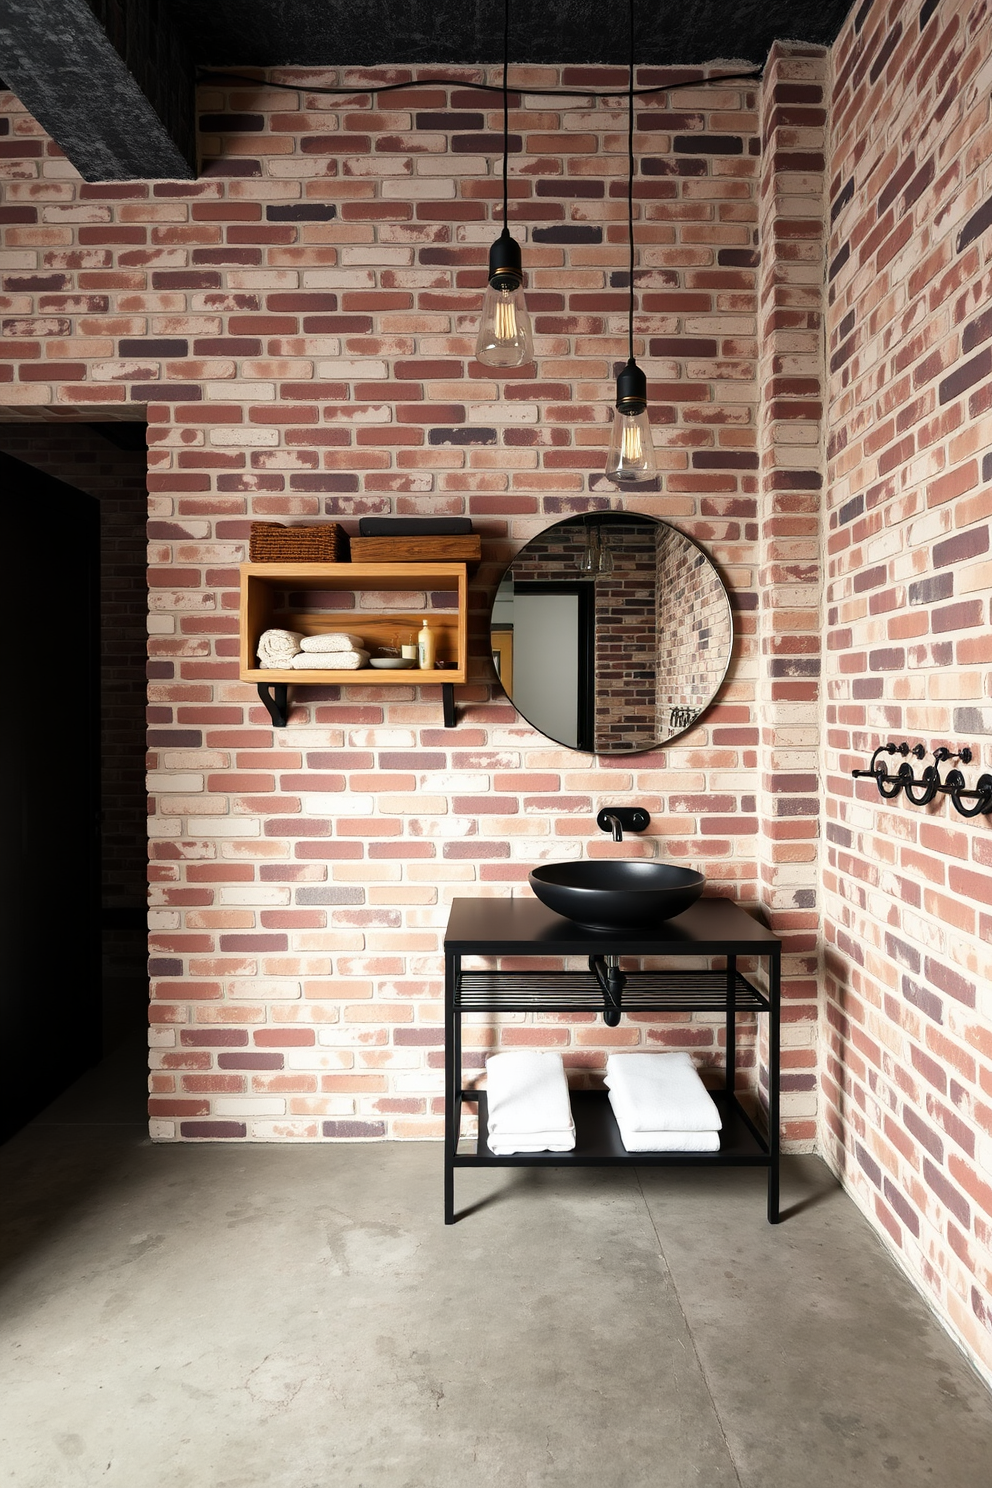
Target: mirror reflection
(611,632)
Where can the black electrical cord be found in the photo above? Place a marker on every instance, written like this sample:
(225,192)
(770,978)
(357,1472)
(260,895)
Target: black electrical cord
(211,75)
(630,186)
(506,111)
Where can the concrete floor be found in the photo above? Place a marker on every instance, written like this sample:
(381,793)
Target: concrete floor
(298,1317)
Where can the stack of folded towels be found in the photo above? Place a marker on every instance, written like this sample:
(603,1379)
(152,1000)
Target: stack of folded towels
(529,1109)
(661,1104)
(279,650)
(335,651)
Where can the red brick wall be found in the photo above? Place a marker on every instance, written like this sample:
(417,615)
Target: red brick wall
(907,1072)
(300,324)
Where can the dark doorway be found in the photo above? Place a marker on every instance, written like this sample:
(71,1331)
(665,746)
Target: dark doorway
(557,632)
(104,465)
(50,1014)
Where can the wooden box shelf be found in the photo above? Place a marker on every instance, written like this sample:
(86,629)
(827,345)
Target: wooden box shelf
(263,586)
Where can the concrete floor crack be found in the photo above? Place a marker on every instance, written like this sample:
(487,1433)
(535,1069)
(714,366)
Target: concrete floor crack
(688,1332)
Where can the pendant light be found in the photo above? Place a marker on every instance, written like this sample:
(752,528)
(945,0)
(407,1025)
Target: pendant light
(595,557)
(631,455)
(505,338)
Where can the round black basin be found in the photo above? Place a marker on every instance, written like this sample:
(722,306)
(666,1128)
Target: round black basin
(616,894)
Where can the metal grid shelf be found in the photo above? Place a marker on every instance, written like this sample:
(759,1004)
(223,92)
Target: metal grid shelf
(598,1141)
(579,991)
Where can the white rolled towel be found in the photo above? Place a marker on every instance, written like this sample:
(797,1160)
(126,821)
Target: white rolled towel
(332,640)
(276,648)
(330,661)
(529,1108)
(659,1093)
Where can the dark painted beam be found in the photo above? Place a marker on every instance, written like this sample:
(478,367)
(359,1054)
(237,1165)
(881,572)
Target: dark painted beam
(111,81)
(321,33)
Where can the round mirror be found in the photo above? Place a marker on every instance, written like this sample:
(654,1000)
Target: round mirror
(611,632)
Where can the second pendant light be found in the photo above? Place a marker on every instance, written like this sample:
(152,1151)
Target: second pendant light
(631,454)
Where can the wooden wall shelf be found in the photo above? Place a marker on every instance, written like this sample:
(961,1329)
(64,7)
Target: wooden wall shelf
(262,607)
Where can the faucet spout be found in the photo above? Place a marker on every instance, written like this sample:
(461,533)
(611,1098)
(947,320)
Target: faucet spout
(617,819)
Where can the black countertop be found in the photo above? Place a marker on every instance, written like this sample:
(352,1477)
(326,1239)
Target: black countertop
(516,926)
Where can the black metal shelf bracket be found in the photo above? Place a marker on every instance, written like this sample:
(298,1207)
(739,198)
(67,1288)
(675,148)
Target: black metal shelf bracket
(969,801)
(275,696)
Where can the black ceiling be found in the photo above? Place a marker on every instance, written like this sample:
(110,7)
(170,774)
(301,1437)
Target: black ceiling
(316,33)
(113,81)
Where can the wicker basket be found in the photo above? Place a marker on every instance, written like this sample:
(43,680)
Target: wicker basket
(271,542)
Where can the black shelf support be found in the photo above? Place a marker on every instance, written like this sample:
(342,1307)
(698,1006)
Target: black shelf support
(275,696)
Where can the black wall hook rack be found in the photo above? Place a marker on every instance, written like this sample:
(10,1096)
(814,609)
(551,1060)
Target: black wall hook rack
(920,791)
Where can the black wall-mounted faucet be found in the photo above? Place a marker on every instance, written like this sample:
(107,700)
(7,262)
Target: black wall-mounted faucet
(620,819)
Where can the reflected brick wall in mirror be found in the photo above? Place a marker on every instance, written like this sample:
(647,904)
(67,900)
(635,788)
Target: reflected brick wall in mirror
(627,641)
(693,629)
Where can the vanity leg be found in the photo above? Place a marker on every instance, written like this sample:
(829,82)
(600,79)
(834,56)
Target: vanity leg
(731,1080)
(452,1084)
(774,1140)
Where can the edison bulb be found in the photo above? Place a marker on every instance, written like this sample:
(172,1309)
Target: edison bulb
(631,456)
(505,337)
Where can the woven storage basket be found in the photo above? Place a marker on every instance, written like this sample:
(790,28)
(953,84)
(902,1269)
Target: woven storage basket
(273,543)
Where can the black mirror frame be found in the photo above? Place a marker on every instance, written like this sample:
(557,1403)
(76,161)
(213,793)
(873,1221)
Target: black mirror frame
(599,519)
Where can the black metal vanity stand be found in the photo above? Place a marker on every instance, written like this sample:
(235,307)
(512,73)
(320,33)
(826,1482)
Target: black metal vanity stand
(524,927)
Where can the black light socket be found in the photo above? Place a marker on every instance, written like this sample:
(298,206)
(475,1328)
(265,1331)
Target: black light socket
(506,266)
(632,389)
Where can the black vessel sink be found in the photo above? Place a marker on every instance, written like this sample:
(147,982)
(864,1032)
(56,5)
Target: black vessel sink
(616,894)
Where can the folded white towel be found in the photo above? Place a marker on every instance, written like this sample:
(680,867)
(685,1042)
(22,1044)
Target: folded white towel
(330,661)
(332,640)
(529,1108)
(276,648)
(531,1142)
(667,1141)
(660,1092)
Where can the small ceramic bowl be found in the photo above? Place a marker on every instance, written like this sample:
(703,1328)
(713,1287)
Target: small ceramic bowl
(392,663)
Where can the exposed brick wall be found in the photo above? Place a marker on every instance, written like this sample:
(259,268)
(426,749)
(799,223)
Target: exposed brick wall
(300,324)
(907,1077)
(791,453)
